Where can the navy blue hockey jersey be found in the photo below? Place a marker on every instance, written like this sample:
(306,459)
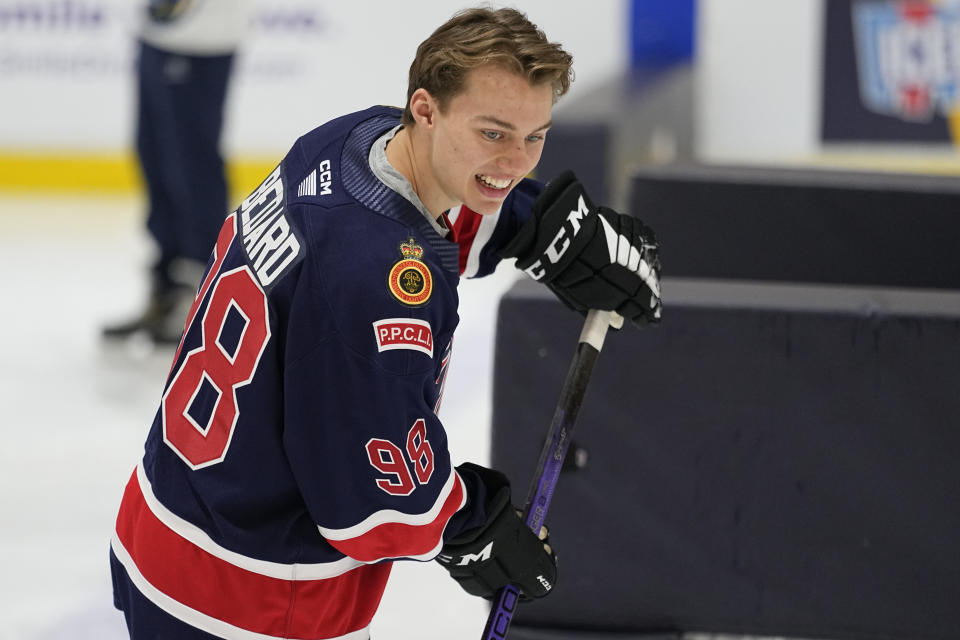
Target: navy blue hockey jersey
(297,450)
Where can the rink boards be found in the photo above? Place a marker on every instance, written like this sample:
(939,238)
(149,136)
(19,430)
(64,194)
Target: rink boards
(779,456)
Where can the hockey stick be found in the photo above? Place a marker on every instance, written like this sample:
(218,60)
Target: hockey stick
(554,450)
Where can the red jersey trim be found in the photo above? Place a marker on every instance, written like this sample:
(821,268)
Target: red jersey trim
(472,231)
(391,534)
(463,224)
(215,595)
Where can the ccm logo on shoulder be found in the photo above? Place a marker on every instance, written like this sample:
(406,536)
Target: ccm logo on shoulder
(404,333)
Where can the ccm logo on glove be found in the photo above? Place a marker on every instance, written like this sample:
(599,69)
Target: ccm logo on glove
(619,248)
(590,257)
(502,550)
(467,558)
(561,242)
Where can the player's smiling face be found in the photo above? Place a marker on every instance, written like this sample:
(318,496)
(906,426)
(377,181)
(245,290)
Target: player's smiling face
(487,139)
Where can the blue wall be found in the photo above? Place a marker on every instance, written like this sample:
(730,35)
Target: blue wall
(661,31)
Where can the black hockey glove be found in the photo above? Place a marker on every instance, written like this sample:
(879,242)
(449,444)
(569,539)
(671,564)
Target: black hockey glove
(590,257)
(503,551)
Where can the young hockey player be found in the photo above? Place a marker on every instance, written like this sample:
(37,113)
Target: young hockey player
(296,452)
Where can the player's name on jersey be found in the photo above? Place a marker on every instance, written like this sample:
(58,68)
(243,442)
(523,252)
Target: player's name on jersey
(268,238)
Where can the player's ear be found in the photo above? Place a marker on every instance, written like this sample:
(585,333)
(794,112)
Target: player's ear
(423,107)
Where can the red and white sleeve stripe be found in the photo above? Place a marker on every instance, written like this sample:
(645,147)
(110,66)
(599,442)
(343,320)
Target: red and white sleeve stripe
(390,534)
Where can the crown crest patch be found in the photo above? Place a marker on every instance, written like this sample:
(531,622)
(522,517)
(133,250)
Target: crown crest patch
(410,280)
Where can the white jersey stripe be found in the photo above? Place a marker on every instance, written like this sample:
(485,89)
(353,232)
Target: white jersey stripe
(197,536)
(454,213)
(387,516)
(191,616)
(487,225)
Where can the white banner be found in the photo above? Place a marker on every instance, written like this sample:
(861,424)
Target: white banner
(67,77)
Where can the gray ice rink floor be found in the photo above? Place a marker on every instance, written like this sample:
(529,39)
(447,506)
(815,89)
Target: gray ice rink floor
(74,413)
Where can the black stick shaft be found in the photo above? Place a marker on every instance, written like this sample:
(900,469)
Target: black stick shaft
(540,492)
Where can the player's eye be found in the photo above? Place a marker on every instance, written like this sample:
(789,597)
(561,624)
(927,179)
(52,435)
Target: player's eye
(491,135)
(536,137)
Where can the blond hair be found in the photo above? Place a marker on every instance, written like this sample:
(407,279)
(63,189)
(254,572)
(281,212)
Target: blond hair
(480,36)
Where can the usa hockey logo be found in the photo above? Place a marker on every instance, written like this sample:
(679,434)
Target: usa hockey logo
(908,57)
